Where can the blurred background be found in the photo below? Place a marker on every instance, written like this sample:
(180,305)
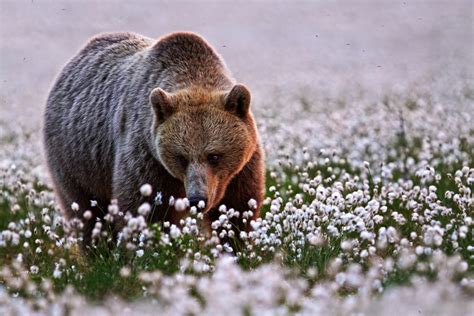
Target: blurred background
(278,48)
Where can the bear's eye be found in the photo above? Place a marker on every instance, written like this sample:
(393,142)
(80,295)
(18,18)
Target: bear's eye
(183,161)
(213,159)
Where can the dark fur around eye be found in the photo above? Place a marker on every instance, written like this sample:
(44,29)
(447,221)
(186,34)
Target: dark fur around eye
(214,159)
(183,161)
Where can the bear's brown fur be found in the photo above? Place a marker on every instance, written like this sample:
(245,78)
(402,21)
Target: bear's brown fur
(128,110)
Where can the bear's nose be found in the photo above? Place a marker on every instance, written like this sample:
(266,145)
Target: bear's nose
(194,201)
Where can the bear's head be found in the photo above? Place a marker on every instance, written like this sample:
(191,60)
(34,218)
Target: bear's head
(203,138)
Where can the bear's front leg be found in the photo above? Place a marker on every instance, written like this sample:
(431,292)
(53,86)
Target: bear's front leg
(131,173)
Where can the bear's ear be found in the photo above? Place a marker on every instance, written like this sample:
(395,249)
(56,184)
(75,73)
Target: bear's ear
(237,101)
(162,104)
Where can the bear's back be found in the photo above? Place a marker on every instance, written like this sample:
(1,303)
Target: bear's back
(79,118)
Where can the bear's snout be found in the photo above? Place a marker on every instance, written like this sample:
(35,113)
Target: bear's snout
(198,184)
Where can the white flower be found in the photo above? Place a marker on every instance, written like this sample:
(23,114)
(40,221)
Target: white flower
(201,204)
(57,273)
(158,198)
(175,232)
(346,245)
(215,225)
(146,190)
(222,218)
(365,235)
(462,266)
(252,203)
(144,209)
(125,272)
(316,240)
(75,207)
(180,205)
(15,208)
(113,209)
(87,215)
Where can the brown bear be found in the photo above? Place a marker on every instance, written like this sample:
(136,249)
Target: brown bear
(128,110)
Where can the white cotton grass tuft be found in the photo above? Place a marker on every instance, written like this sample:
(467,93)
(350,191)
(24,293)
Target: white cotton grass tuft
(171,201)
(125,272)
(146,190)
(34,269)
(252,203)
(75,207)
(201,204)
(87,215)
(144,209)
(180,205)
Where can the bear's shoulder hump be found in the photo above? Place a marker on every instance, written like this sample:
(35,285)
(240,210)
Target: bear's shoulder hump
(183,42)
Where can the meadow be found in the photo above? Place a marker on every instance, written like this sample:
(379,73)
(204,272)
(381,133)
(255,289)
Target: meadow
(381,215)
(369,205)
